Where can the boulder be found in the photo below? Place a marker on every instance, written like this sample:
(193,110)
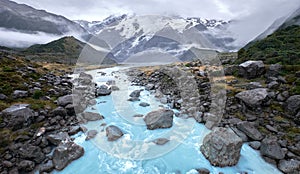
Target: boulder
(103,90)
(65,153)
(271,148)
(251,69)
(250,130)
(161,141)
(19,94)
(274,70)
(3,97)
(144,104)
(289,166)
(31,152)
(26,165)
(254,97)
(91,134)
(92,116)
(18,116)
(135,93)
(59,111)
(47,167)
(133,99)
(222,147)
(56,139)
(113,133)
(65,100)
(162,118)
(292,104)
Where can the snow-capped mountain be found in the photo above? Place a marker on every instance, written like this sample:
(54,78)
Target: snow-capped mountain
(131,35)
(30,26)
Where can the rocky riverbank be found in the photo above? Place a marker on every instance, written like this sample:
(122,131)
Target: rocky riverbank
(261,106)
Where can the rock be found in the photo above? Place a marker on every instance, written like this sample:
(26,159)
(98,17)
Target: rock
(254,97)
(138,115)
(271,148)
(249,129)
(91,134)
(7,164)
(113,133)
(32,152)
(59,111)
(135,93)
(26,165)
(292,104)
(274,70)
(70,108)
(203,171)
(222,147)
(255,144)
(58,138)
(65,100)
(92,116)
(162,118)
(19,94)
(272,129)
(18,116)
(103,90)
(74,130)
(241,134)
(251,69)
(3,97)
(83,75)
(47,167)
(273,85)
(161,141)
(115,88)
(65,153)
(133,99)
(289,166)
(144,104)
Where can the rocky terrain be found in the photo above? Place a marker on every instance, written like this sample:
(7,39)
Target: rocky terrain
(262,105)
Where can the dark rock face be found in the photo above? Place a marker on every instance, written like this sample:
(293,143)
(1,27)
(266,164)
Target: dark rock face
(289,166)
(32,152)
(254,97)
(251,69)
(56,139)
(91,116)
(249,129)
(162,118)
(47,167)
(103,90)
(222,147)
(135,93)
(91,134)
(271,148)
(65,153)
(113,133)
(18,116)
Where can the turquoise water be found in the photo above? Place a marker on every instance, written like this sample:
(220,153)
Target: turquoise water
(136,153)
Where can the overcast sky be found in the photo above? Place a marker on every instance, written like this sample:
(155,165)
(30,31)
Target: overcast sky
(219,9)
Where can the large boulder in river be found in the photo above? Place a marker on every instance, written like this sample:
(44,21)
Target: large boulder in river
(113,133)
(162,118)
(65,153)
(18,116)
(103,90)
(251,69)
(92,116)
(135,93)
(291,166)
(253,98)
(222,147)
(56,139)
(271,148)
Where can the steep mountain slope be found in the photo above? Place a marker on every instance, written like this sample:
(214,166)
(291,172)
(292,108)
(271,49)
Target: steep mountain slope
(282,46)
(25,18)
(64,50)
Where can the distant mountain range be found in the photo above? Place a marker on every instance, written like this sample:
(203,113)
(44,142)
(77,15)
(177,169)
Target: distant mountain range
(122,39)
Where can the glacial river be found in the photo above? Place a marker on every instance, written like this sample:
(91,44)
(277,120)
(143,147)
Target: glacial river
(136,153)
